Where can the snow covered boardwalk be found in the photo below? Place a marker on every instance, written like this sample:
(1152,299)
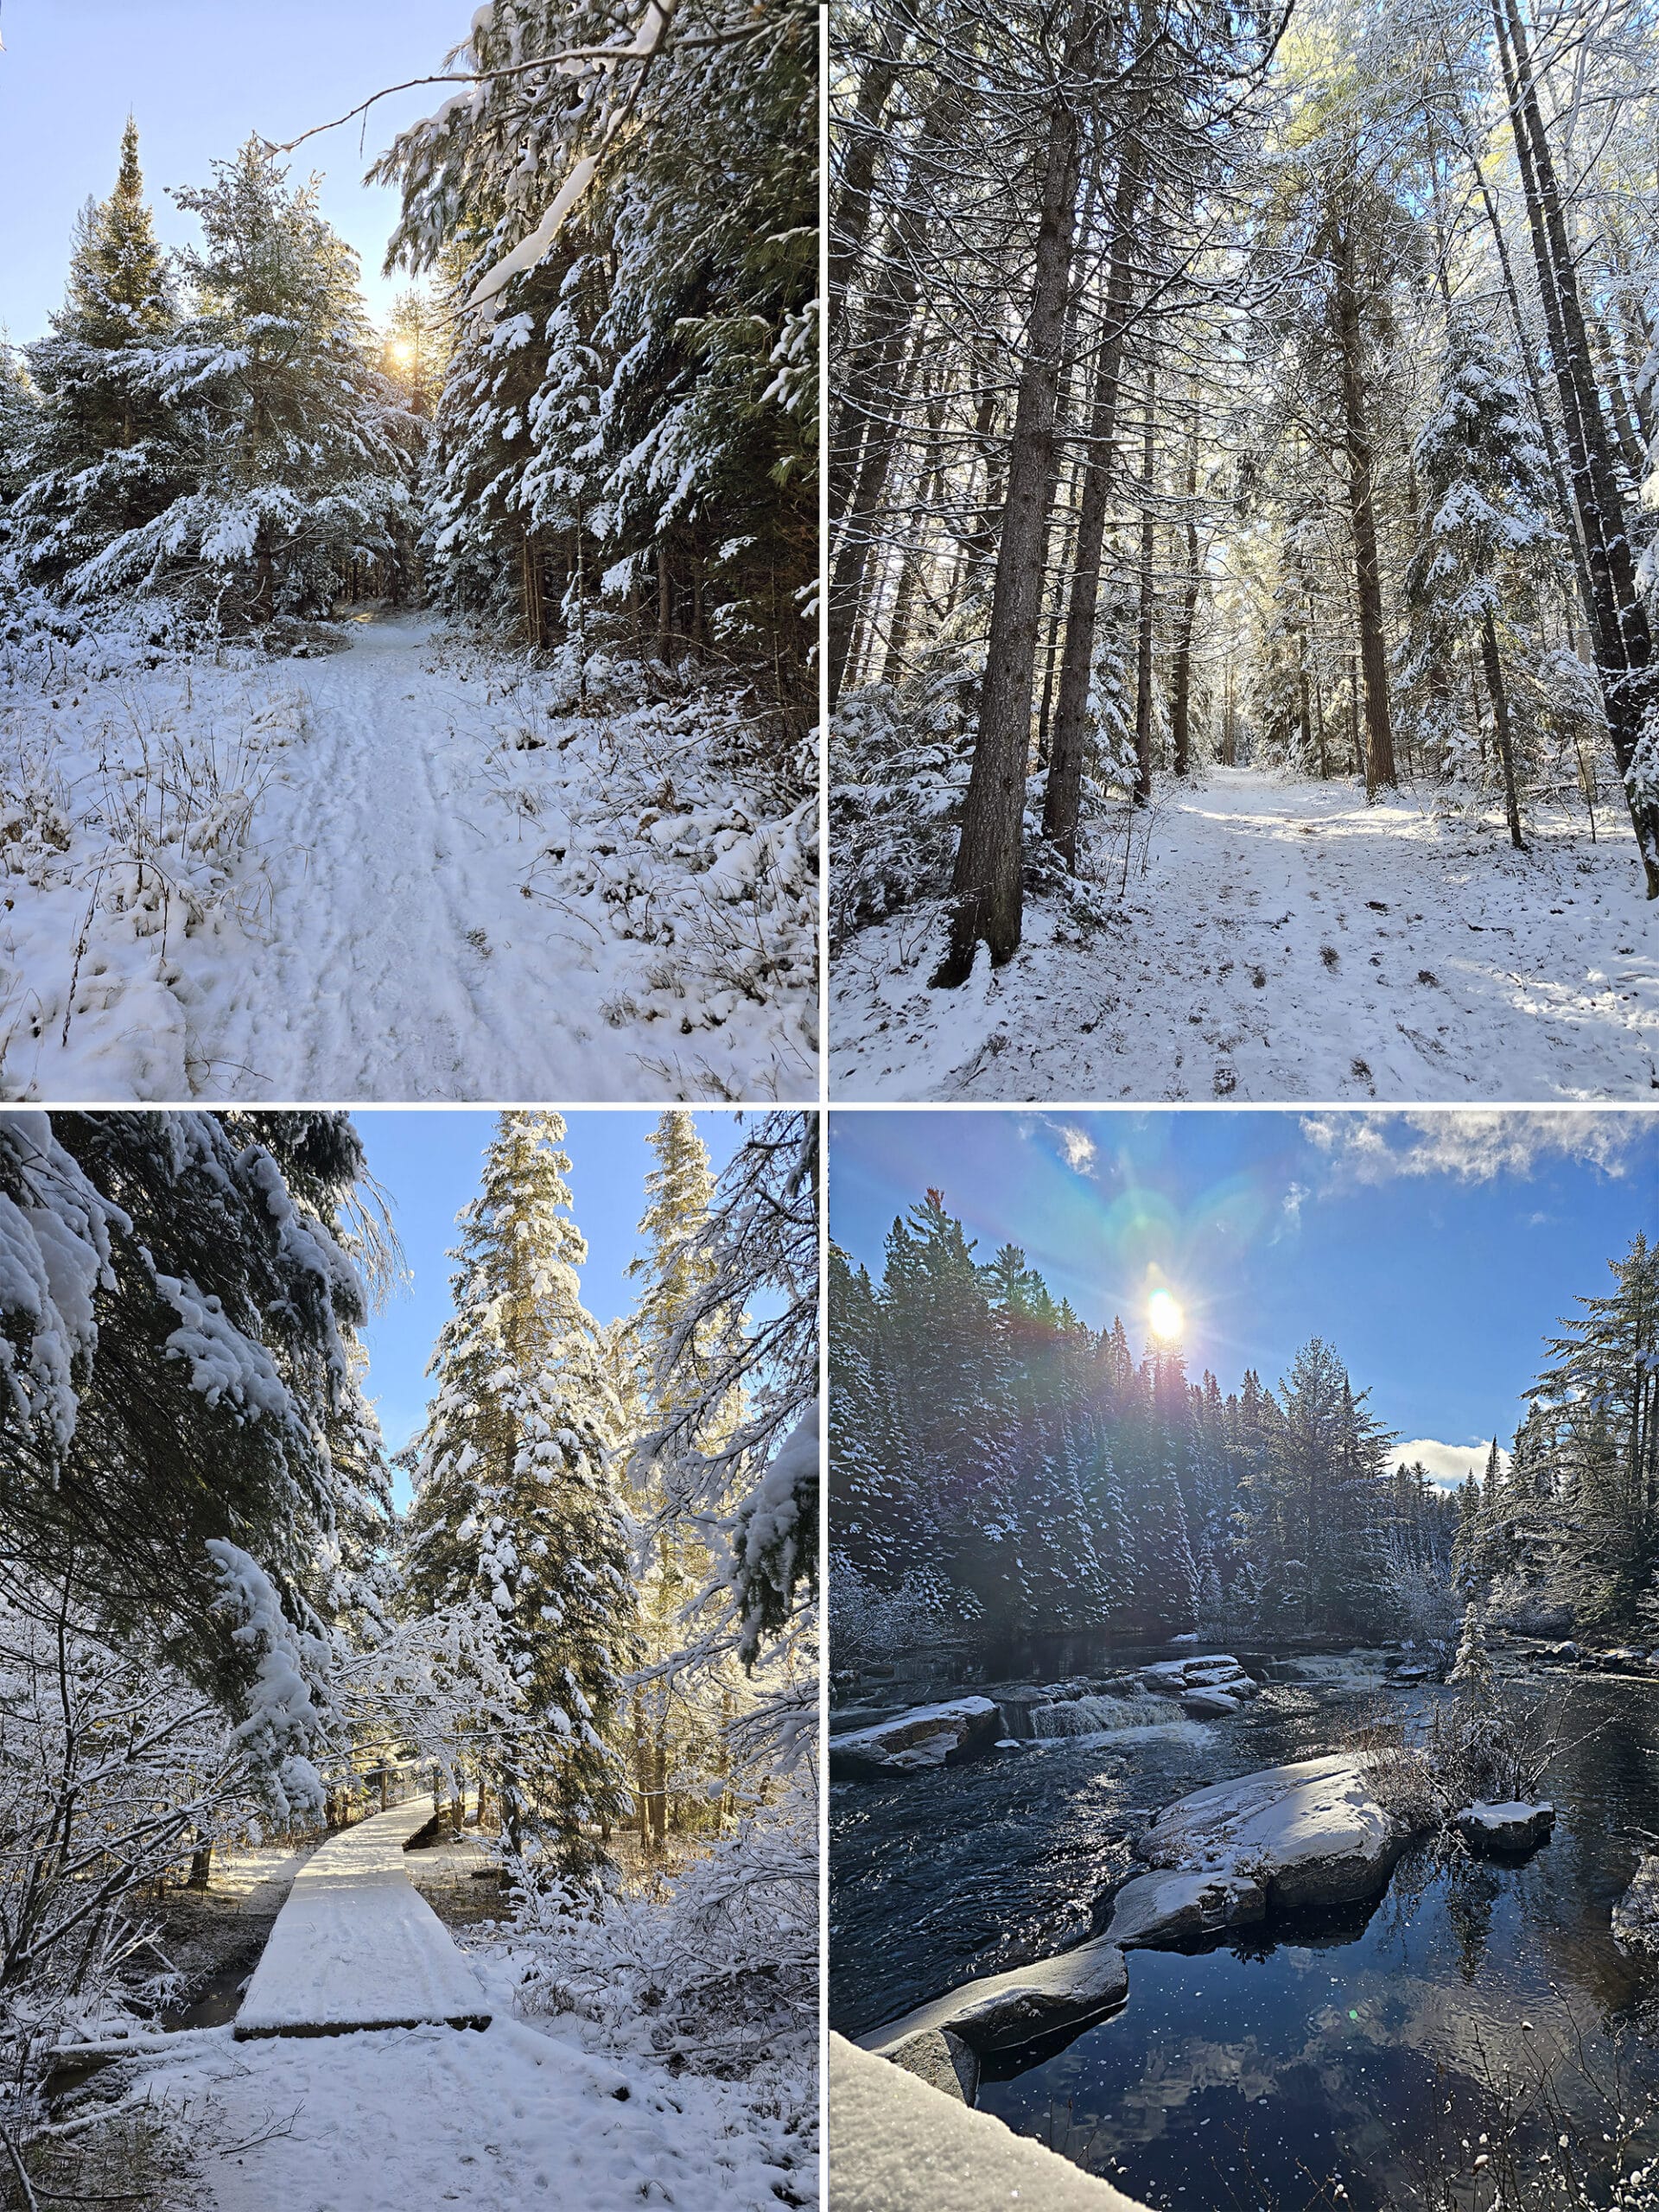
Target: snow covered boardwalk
(1280,940)
(356,1947)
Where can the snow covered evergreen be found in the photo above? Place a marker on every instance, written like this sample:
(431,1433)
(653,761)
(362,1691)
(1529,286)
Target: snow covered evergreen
(514,1501)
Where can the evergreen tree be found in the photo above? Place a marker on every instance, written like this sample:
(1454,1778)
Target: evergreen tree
(1486,496)
(679,1714)
(289,456)
(103,459)
(513,1500)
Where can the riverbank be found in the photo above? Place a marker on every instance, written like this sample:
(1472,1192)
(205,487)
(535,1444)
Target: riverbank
(1341,2041)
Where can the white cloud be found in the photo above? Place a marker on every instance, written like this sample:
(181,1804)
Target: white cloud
(1076,1145)
(1447,1464)
(1474,1144)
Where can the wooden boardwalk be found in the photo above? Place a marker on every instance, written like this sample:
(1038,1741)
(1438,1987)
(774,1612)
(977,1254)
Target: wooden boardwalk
(356,1947)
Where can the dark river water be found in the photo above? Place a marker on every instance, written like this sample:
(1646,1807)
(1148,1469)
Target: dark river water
(1372,2049)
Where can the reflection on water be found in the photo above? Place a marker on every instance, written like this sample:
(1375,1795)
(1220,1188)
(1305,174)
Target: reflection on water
(1370,2047)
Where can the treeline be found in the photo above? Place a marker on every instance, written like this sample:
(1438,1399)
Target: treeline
(1566,1536)
(597,424)
(1212,389)
(998,1467)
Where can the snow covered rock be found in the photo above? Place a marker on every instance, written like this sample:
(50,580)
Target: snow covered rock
(1151,1910)
(1509,1826)
(1209,1705)
(1636,1917)
(902,2147)
(1216,1671)
(1003,2011)
(1310,1832)
(926,1735)
(942,2060)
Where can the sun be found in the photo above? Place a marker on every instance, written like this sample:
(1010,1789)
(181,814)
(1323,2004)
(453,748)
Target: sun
(403,352)
(1164,1312)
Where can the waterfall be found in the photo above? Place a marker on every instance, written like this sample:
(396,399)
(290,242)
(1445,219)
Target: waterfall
(1102,1716)
(1359,1668)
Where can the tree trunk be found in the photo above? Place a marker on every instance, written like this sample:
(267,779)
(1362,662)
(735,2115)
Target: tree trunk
(1623,646)
(201,1861)
(872,386)
(1373,646)
(1143,632)
(862,136)
(1181,670)
(987,886)
(1061,791)
(1492,663)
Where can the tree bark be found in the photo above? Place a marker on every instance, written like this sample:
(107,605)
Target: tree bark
(1624,644)
(987,887)
(863,137)
(1063,789)
(1181,668)
(1491,662)
(1373,646)
(1143,632)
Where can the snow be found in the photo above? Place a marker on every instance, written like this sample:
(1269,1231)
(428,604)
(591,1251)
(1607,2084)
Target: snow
(903,2146)
(356,1947)
(924,1736)
(1000,2012)
(393,2119)
(1399,954)
(427,876)
(1310,1831)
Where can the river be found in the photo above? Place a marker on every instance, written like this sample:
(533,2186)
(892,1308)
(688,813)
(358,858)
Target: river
(1374,2047)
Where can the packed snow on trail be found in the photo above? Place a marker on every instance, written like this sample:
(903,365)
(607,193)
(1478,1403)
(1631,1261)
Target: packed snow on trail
(390,2118)
(1274,938)
(401,866)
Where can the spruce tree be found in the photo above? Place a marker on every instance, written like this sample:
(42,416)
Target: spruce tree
(514,1501)
(1486,500)
(293,457)
(678,1712)
(105,456)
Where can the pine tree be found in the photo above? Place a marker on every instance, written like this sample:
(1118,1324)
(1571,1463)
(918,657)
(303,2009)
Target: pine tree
(104,457)
(678,1714)
(1486,495)
(291,455)
(513,1499)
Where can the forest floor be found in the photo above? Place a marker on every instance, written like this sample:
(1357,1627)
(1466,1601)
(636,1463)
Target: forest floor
(1284,940)
(402,870)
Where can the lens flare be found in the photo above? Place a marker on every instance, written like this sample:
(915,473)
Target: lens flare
(1165,1315)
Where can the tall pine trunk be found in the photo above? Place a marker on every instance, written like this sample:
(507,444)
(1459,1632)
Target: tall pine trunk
(1492,663)
(1622,643)
(987,887)
(1180,704)
(1061,791)
(1362,514)
(1143,632)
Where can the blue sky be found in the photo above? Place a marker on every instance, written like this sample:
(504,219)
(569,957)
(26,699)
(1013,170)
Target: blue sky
(198,75)
(428,1161)
(1433,1249)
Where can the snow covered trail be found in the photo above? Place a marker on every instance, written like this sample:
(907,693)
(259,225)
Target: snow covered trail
(450,888)
(356,1945)
(396,2119)
(1284,940)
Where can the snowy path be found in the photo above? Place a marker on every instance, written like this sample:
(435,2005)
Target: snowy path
(356,1947)
(1285,941)
(453,888)
(402,962)
(398,2120)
